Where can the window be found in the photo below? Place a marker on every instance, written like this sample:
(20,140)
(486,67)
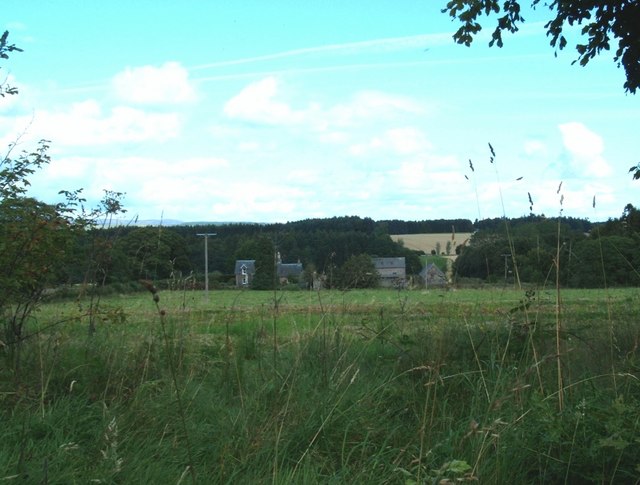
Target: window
(245,275)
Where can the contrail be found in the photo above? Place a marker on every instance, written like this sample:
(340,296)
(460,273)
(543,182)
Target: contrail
(390,44)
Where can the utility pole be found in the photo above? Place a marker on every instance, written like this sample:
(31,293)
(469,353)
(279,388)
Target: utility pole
(206,261)
(506,266)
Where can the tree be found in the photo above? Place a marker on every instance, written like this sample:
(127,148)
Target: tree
(309,275)
(103,263)
(606,261)
(358,272)
(261,249)
(154,253)
(5,48)
(602,21)
(531,246)
(37,240)
(34,242)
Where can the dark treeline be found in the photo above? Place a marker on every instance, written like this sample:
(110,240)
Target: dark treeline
(527,249)
(500,249)
(498,223)
(322,245)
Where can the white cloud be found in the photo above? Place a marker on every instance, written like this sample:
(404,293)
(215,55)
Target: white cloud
(576,199)
(433,174)
(85,124)
(261,102)
(334,137)
(249,146)
(249,199)
(145,180)
(368,106)
(169,192)
(412,175)
(304,176)
(65,168)
(585,148)
(407,140)
(257,103)
(132,170)
(196,166)
(167,84)
(403,141)
(534,147)
(581,141)
(371,145)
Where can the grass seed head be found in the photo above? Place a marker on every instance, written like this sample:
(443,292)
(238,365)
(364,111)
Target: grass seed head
(149,286)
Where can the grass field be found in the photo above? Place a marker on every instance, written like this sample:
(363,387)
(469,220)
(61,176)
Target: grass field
(366,386)
(429,242)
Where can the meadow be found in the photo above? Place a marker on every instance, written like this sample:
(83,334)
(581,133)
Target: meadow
(365,386)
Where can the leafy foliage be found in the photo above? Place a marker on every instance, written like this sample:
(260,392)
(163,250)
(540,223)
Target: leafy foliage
(489,254)
(358,272)
(606,255)
(37,239)
(35,243)
(151,253)
(5,49)
(601,22)
(24,223)
(262,250)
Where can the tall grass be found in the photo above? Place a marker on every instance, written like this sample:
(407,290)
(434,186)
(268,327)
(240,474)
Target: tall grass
(434,387)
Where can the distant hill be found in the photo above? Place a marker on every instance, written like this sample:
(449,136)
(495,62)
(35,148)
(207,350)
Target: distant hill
(170,223)
(158,222)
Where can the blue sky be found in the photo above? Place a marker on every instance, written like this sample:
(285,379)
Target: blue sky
(280,111)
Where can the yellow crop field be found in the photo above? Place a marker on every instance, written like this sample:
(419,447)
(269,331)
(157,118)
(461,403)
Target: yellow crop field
(427,242)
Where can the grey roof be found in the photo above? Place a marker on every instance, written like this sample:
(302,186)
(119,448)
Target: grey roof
(430,267)
(250,265)
(289,269)
(433,271)
(384,263)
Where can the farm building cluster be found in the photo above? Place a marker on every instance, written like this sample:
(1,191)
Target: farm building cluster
(392,273)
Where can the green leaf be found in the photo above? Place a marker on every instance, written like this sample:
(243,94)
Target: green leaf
(614,442)
(457,467)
